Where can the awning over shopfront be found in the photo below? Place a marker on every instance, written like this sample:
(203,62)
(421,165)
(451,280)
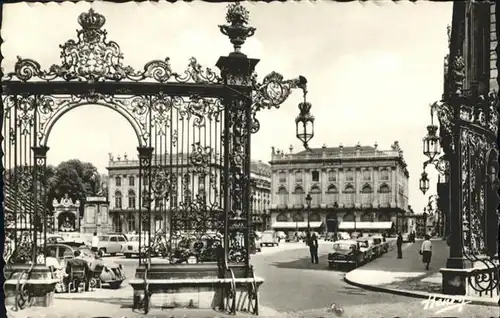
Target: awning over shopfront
(365,225)
(294,225)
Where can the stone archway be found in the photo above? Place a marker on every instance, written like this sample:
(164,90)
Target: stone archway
(66,214)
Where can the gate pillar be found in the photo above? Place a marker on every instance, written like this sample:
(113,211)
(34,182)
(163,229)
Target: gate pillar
(236,71)
(40,199)
(145,158)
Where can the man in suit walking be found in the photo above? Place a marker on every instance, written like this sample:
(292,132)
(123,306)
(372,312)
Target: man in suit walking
(313,248)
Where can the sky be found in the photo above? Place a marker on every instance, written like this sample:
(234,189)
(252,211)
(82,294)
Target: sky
(372,68)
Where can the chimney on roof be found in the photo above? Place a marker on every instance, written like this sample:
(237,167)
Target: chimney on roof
(290,148)
(358,149)
(376,145)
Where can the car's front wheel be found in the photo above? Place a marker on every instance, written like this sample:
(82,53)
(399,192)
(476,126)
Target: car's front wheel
(127,255)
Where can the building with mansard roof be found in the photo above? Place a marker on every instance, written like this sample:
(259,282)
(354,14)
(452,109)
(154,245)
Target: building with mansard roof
(123,190)
(353,189)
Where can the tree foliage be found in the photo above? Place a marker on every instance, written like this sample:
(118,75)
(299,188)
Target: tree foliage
(75,178)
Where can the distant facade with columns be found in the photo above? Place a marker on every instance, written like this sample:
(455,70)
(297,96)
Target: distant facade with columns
(123,190)
(360,188)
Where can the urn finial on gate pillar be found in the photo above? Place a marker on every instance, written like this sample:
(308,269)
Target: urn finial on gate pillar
(237,31)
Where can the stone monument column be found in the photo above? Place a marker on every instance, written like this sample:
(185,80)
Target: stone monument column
(96,216)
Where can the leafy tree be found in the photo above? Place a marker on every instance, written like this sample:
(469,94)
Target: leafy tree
(75,178)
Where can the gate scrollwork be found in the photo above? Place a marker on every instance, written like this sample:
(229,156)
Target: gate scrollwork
(194,135)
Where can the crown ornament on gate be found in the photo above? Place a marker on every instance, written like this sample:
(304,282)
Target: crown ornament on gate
(92,57)
(91,23)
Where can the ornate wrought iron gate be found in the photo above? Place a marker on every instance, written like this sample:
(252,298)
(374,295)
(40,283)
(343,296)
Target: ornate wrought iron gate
(469,127)
(193,129)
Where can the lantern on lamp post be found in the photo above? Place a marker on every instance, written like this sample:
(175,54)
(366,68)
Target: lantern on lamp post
(424,182)
(304,123)
(431,146)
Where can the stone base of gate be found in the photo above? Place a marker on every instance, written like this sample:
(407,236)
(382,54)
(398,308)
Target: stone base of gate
(194,286)
(39,284)
(477,281)
(197,297)
(455,280)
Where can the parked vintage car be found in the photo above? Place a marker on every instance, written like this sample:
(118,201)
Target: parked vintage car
(269,238)
(345,252)
(366,248)
(131,247)
(376,247)
(111,274)
(384,245)
(280,235)
(112,243)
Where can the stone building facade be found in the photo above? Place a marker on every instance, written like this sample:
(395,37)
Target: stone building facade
(362,186)
(123,191)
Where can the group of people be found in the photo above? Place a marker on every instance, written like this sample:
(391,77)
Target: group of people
(425,249)
(62,269)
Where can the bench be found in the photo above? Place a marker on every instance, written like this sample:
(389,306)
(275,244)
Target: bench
(207,285)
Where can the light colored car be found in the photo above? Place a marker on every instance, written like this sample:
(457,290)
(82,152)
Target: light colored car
(366,248)
(406,237)
(384,245)
(344,236)
(111,243)
(281,235)
(269,238)
(131,247)
(376,247)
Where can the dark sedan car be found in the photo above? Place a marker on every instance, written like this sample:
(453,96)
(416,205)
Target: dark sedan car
(345,252)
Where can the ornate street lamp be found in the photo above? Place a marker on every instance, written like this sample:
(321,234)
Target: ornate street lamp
(304,123)
(431,146)
(308,202)
(424,182)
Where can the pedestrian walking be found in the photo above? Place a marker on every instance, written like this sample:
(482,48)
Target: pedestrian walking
(426,251)
(399,245)
(95,243)
(313,248)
